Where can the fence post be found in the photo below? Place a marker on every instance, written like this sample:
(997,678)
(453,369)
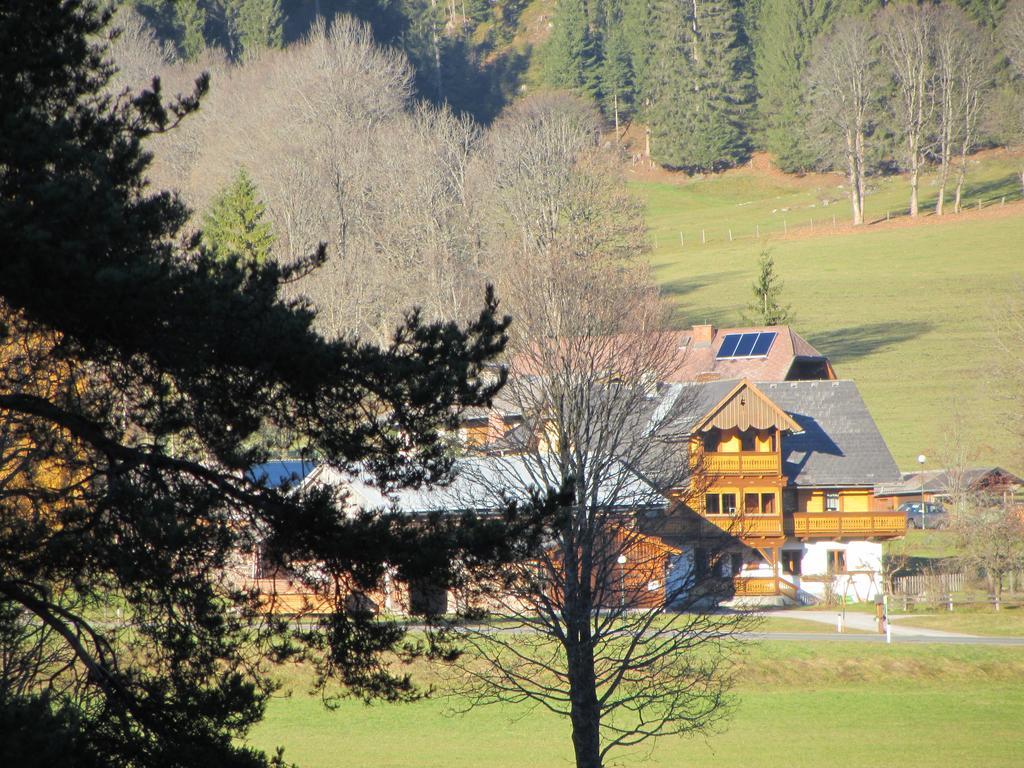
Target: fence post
(703,238)
(979,203)
(730,234)
(757,231)
(680,239)
(833,221)
(887,215)
(785,230)
(950,597)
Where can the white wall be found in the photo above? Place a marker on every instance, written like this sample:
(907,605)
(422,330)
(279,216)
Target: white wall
(864,558)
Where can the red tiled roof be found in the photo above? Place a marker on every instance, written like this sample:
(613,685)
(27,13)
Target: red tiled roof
(699,361)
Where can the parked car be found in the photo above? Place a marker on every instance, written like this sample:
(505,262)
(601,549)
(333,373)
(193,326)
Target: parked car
(934,515)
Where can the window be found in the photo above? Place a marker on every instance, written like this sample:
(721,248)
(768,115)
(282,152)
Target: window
(729,503)
(737,563)
(700,562)
(712,505)
(831,501)
(791,562)
(790,501)
(711,441)
(836,562)
(751,504)
(768,503)
(747,441)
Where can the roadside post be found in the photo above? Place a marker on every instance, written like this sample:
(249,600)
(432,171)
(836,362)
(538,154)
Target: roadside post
(885,619)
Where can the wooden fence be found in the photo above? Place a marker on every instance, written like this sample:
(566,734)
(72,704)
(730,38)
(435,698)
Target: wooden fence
(924,583)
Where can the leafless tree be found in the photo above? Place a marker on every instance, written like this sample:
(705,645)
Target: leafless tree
(585,630)
(961,77)
(137,52)
(843,93)
(992,532)
(329,132)
(906,32)
(1011,35)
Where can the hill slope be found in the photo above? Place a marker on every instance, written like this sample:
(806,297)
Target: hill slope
(906,309)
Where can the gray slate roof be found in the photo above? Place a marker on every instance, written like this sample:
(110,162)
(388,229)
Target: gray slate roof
(484,483)
(840,444)
(940,480)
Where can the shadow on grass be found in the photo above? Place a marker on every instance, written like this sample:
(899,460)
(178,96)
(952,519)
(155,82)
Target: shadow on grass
(846,344)
(990,193)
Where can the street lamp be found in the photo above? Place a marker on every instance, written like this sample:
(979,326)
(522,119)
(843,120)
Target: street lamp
(621,560)
(920,460)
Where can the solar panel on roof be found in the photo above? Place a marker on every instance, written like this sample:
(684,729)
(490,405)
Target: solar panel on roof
(729,343)
(763,343)
(746,344)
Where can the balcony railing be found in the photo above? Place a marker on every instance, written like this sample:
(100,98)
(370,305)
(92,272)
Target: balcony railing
(745,463)
(748,525)
(836,524)
(763,586)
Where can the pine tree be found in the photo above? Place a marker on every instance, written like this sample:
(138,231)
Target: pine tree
(617,79)
(191,18)
(786,31)
(235,224)
(258,24)
(700,113)
(764,308)
(571,56)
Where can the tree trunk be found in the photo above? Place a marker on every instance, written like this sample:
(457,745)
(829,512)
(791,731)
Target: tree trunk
(915,172)
(961,174)
(615,101)
(585,712)
(943,177)
(860,175)
(851,162)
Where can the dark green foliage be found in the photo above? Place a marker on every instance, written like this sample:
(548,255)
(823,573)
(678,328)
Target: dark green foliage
(786,31)
(135,370)
(235,224)
(986,13)
(701,103)
(571,55)
(764,308)
(237,26)
(618,84)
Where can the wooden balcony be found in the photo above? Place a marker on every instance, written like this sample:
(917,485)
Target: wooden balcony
(763,586)
(746,463)
(831,525)
(754,526)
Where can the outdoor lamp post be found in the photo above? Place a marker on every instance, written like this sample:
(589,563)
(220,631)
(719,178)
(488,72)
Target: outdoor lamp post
(621,560)
(920,461)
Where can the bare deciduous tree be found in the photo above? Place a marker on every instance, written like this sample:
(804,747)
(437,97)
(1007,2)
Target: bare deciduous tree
(962,76)
(906,32)
(586,633)
(842,82)
(992,532)
(341,155)
(1011,35)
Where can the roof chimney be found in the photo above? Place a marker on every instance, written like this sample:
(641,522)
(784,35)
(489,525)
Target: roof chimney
(702,334)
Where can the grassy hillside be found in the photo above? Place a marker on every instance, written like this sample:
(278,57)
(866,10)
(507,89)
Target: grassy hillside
(906,309)
(799,705)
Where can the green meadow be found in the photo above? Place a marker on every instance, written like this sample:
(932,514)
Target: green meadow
(910,310)
(798,705)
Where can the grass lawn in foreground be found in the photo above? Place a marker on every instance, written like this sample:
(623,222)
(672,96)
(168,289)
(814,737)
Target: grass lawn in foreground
(800,705)
(906,311)
(980,620)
